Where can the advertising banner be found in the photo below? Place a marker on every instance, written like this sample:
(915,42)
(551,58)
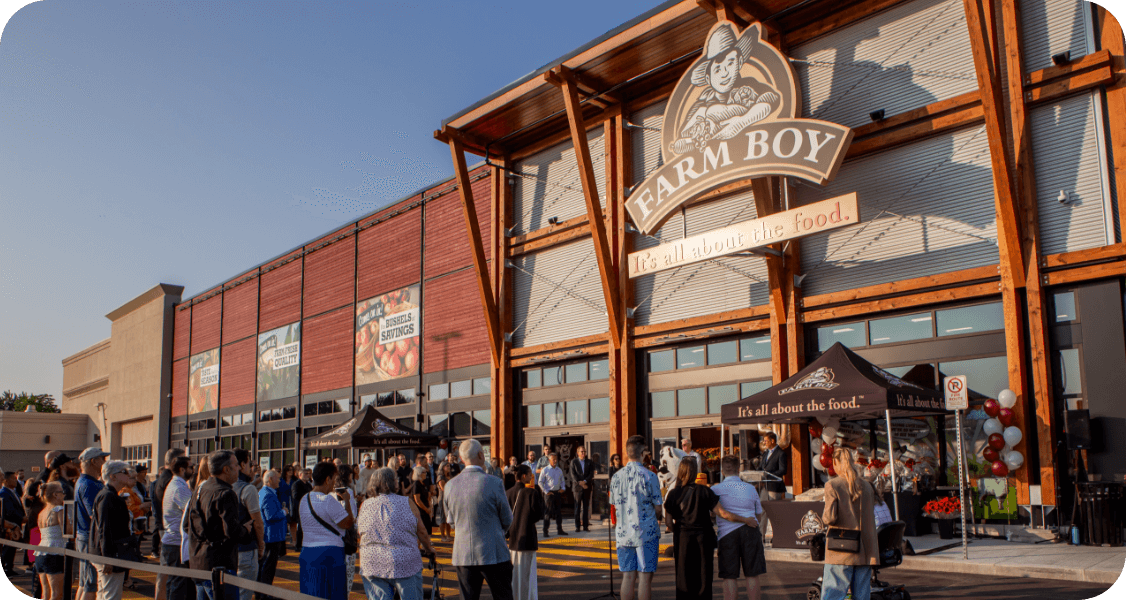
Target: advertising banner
(203,382)
(387,328)
(279,362)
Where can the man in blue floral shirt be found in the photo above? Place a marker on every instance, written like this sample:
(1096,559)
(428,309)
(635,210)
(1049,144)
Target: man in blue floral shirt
(635,493)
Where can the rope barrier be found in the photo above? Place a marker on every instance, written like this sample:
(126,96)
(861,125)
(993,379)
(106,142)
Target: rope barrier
(226,578)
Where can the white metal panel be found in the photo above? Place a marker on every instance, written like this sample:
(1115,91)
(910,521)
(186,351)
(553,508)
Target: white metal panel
(645,139)
(897,60)
(1067,158)
(926,208)
(548,184)
(557,295)
(1054,26)
(709,287)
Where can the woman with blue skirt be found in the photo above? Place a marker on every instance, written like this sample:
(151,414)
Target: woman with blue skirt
(324,519)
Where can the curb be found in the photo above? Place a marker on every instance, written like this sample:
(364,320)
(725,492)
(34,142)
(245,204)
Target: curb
(932,564)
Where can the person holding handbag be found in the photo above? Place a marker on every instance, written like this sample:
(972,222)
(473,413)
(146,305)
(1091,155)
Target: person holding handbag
(851,547)
(526,500)
(324,519)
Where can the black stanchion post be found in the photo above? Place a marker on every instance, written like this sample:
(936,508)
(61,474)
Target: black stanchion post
(68,571)
(612,594)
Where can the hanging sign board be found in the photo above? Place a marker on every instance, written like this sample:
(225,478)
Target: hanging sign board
(957,394)
(732,116)
(310,461)
(740,237)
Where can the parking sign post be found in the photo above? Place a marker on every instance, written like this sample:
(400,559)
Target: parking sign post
(958,398)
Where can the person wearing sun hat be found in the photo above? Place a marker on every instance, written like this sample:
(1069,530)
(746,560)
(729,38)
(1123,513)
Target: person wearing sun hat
(729,102)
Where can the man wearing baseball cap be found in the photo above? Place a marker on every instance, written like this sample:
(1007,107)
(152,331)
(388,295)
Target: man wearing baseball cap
(85,492)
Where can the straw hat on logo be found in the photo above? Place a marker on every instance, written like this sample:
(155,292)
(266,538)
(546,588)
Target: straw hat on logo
(721,40)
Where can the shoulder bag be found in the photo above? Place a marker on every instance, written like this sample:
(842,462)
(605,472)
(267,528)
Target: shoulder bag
(351,543)
(839,539)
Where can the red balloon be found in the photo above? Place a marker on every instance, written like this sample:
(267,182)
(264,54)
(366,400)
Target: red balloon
(815,429)
(826,449)
(1000,469)
(827,460)
(442,444)
(992,407)
(833,473)
(910,464)
(1006,416)
(996,441)
(990,454)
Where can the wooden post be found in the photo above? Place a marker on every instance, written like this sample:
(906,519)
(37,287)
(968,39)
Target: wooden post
(1109,32)
(506,413)
(795,355)
(623,374)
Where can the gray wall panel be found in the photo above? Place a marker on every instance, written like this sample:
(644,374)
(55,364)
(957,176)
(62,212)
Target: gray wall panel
(550,185)
(1053,26)
(557,295)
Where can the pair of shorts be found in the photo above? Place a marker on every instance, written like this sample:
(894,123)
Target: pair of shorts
(642,558)
(49,564)
(87,574)
(742,548)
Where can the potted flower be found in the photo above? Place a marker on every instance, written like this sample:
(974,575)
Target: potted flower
(944,511)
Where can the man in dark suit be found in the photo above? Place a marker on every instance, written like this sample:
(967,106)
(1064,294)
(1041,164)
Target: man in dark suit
(773,461)
(13,513)
(582,484)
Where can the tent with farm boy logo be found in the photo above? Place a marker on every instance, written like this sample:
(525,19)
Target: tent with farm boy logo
(370,429)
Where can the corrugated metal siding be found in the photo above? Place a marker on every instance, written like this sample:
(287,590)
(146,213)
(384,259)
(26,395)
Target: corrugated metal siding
(330,276)
(645,144)
(181,338)
(205,323)
(389,254)
(1051,27)
(180,387)
(240,311)
(926,208)
(446,238)
(562,297)
(718,285)
(1067,158)
(238,374)
(280,300)
(551,187)
(327,352)
(453,314)
(900,59)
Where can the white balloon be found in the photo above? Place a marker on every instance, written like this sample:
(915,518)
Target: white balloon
(993,426)
(1007,398)
(830,432)
(817,462)
(1013,436)
(441,454)
(1014,459)
(823,420)
(834,422)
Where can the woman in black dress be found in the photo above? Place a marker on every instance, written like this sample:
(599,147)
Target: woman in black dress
(690,507)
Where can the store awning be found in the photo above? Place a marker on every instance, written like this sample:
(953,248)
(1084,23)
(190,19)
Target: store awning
(838,384)
(370,429)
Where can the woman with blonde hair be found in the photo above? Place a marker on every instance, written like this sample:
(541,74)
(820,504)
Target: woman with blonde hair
(50,566)
(849,505)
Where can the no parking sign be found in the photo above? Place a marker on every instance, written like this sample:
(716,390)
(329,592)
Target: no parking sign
(957,394)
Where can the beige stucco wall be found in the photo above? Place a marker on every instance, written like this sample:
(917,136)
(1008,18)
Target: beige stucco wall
(123,380)
(26,437)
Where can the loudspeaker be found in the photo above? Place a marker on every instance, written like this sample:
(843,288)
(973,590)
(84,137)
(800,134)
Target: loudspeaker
(1079,430)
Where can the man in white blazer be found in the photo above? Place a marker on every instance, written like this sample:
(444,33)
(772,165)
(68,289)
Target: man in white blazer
(476,505)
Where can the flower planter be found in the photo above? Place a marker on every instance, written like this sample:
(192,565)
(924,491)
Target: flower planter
(945,529)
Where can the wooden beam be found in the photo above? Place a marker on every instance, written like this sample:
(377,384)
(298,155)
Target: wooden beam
(1080,257)
(1088,273)
(606,269)
(795,355)
(909,301)
(702,333)
(917,130)
(553,347)
(1072,85)
(561,237)
(895,288)
(837,19)
(723,11)
(469,142)
(979,20)
(1109,32)
(503,398)
(588,351)
(550,230)
(1047,75)
(623,359)
(1041,415)
(713,320)
(766,203)
(488,303)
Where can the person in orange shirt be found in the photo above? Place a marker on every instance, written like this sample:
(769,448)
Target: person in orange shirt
(139,508)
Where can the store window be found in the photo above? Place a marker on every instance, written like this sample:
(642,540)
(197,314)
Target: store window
(723,353)
(235,420)
(900,329)
(482,422)
(718,395)
(552,376)
(279,447)
(663,360)
(599,410)
(554,414)
(577,412)
(482,386)
(236,442)
(691,402)
(277,414)
(439,391)
(137,455)
(690,357)
(533,416)
(919,326)
(388,398)
(439,425)
(849,334)
(663,403)
(751,388)
(328,407)
(599,369)
(715,354)
(461,389)
(532,378)
(751,349)
(1063,304)
(575,372)
(970,319)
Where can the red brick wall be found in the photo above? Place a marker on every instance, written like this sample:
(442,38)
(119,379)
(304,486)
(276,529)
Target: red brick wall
(205,324)
(452,305)
(389,254)
(280,302)
(447,243)
(237,373)
(240,311)
(181,338)
(326,351)
(180,386)
(330,276)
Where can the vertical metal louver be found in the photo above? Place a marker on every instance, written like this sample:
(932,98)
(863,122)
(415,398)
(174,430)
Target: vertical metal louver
(897,60)
(549,185)
(557,295)
(1071,187)
(925,208)
(1054,26)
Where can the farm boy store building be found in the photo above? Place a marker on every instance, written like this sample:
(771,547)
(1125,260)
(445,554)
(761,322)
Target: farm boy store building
(690,209)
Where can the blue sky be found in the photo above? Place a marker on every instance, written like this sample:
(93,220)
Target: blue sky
(181,142)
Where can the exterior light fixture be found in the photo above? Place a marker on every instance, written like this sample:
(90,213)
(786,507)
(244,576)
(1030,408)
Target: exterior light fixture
(553,220)
(876,115)
(1062,58)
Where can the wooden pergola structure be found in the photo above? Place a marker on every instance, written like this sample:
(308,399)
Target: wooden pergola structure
(641,61)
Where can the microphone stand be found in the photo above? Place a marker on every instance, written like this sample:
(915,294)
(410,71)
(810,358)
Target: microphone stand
(612,594)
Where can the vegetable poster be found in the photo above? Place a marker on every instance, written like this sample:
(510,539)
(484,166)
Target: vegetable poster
(279,362)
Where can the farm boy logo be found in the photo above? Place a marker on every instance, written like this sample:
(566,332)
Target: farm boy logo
(733,116)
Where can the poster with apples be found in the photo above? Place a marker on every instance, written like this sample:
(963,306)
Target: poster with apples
(387,342)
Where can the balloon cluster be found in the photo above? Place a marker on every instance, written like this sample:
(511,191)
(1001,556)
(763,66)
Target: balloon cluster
(1003,435)
(826,430)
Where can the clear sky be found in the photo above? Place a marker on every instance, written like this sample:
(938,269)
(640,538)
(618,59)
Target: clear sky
(182,142)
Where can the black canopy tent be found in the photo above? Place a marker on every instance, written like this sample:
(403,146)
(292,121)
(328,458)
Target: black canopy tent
(838,384)
(370,429)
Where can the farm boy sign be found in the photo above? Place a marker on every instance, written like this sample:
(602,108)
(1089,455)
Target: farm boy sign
(733,116)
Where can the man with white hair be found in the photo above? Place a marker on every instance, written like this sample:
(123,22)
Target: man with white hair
(112,522)
(476,505)
(85,492)
(686,446)
(274,518)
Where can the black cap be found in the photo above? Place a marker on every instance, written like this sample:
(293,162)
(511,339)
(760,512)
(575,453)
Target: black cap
(60,460)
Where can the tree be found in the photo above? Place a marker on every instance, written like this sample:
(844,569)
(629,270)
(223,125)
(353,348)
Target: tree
(20,402)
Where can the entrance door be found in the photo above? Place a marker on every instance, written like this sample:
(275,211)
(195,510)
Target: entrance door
(566,446)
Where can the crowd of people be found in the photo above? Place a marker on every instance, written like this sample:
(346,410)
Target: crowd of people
(224,512)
